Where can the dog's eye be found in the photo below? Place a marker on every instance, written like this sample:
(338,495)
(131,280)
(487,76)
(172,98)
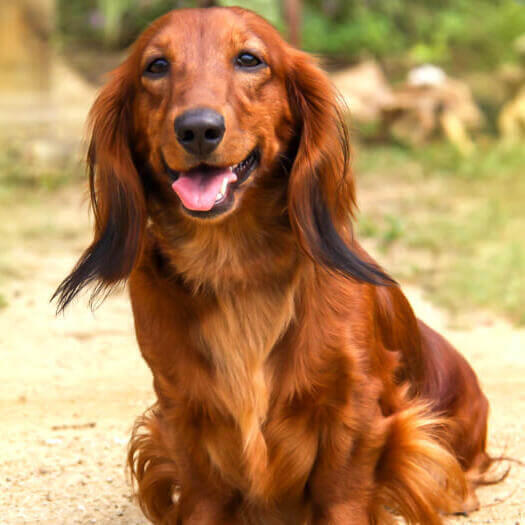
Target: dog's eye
(157,68)
(247,61)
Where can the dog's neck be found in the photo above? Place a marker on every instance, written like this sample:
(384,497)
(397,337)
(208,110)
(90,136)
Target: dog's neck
(244,278)
(243,252)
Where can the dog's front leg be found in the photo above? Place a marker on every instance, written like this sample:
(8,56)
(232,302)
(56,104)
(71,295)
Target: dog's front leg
(338,496)
(341,485)
(347,513)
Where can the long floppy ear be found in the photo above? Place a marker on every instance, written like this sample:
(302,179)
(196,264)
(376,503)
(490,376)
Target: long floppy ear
(321,196)
(117,197)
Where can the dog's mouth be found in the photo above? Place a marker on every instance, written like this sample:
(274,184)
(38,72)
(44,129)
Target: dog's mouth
(206,188)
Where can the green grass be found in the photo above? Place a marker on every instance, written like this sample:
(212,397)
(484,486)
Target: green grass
(452,224)
(29,195)
(18,174)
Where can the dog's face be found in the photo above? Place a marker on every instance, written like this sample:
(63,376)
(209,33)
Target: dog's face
(211,113)
(214,117)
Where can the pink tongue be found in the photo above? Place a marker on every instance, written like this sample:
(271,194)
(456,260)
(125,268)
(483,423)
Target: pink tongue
(198,190)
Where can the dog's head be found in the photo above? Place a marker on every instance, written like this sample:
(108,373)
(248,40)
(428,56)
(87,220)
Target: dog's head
(209,105)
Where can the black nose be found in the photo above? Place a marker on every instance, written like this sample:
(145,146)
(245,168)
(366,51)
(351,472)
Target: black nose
(199,130)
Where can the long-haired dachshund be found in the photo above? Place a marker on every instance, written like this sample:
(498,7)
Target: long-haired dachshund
(294,383)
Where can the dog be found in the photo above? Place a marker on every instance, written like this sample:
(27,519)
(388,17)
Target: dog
(294,383)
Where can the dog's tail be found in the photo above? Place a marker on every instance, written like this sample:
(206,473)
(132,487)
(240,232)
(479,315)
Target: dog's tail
(418,477)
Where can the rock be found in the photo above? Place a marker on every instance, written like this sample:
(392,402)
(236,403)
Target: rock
(431,103)
(365,90)
(511,120)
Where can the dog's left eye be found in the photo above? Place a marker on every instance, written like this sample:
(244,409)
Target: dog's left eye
(157,67)
(247,61)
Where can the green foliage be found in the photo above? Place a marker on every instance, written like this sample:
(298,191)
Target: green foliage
(267,8)
(394,230)
(350,33)
(18,173)
(473,33)
(110,23)
(112,13)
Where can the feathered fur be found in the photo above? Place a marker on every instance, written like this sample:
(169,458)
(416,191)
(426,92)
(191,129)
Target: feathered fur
(294,383)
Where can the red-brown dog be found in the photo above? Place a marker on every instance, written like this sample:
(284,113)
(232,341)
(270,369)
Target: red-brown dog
(294,383)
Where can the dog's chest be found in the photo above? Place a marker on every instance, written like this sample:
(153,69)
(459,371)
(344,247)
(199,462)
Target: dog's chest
(251,442)
(265,459)
(211,359)
(237,333)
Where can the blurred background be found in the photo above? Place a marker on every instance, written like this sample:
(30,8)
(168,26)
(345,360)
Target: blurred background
(435,98)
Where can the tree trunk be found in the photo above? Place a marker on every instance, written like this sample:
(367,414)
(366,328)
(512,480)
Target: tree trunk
(25,50)
(292,16)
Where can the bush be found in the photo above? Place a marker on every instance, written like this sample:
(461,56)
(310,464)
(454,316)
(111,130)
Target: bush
(457,34)
(110,23)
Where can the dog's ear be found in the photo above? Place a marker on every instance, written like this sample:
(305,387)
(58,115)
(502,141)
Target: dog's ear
(117,196)
(321,196)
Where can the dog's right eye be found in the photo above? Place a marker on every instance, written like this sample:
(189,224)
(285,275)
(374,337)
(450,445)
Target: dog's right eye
(157,68)
(247,60)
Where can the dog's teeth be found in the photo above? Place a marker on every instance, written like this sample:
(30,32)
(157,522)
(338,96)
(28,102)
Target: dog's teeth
(223,187)
(244,165)
(219,196)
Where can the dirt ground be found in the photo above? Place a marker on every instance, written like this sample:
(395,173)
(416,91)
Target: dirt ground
(71,386)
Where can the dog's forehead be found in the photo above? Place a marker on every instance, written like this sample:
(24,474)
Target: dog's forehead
(199,34)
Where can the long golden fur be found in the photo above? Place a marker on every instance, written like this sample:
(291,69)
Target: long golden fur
(294,383)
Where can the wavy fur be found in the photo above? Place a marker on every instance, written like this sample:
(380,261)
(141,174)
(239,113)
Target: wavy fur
(294,383)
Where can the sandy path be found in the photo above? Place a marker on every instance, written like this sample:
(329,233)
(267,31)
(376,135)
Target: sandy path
(70,387)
